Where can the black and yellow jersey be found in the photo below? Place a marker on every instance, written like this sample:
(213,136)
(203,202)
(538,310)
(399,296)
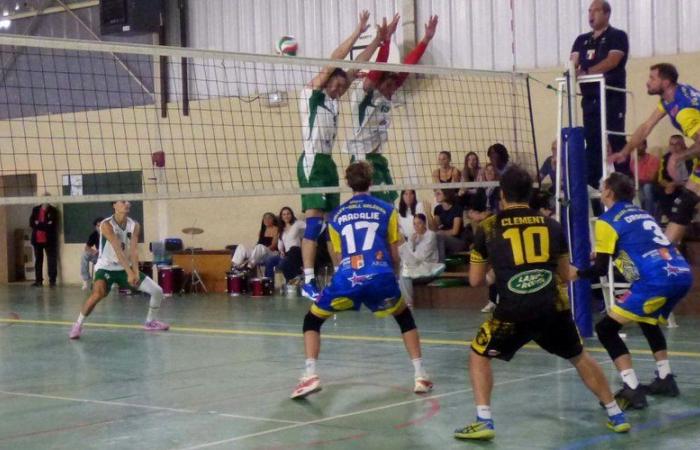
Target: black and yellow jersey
(523,248)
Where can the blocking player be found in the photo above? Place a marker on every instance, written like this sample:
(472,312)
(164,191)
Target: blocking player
(529,256)
(681,102)
(365,232)
(118,262)
(371,108)
(660,279)
(319,109)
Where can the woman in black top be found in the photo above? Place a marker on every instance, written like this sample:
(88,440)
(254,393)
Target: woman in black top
(448,223)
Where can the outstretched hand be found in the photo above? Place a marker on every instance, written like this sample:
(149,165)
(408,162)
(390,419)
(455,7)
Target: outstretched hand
(383,30)
(431,27)
(616,157)
(363,24)
(393,25)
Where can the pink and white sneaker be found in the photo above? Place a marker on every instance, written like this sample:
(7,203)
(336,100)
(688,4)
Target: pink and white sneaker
(156,325)
(75,331)
(306,386)
(422,385)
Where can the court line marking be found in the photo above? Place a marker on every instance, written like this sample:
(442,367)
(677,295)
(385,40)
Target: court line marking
(343,337)
(369,410)
(150,407)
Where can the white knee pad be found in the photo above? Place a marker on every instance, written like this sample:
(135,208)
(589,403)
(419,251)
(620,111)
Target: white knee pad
(151,288)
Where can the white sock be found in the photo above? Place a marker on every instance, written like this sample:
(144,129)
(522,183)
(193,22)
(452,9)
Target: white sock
(664,368)
(309,367)
(630,378)
(612,408)
(81,318)
(418,369)
(335,269)
(308,275)
(483,411)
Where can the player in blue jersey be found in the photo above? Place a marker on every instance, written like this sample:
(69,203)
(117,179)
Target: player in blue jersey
(681,102)
(364,231)
(660,279)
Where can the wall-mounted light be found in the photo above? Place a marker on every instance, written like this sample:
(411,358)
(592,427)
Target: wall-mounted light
(5,24)
(276,99)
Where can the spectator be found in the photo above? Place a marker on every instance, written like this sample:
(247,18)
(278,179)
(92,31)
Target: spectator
(419,258)
(549,166)
(264,249)
(44,223)
(471,172)
(498,156)
(487,200)
(446,173)
(601,51)
(409,206)
(646,168)
(448,223)
(90,253)
(673,173)
(289,259)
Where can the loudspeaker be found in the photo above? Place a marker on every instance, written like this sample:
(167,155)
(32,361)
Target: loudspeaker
(130,16)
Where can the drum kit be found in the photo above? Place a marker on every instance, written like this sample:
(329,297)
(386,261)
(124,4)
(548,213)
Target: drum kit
(238,283)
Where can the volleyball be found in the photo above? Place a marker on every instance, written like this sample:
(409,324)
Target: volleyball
(287,45)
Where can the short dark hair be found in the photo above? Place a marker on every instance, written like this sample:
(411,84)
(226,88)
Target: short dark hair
(97,221)
(359,176)
(338,72)
(516,185)
(621,186)
(421,217)
(501,151)
(666,71)
(446,152)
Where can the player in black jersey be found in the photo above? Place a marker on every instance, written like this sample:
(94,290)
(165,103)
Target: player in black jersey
(529,256)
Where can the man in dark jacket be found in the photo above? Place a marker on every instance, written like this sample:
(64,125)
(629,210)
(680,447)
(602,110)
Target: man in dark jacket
(44,223)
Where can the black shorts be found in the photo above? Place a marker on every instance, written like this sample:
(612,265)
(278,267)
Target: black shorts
(555,333)
(683,209)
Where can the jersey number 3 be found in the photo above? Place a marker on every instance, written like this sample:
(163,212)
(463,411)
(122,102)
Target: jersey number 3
(524,246)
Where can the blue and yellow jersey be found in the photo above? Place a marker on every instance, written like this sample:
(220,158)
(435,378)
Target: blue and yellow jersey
(639,247)
(362,231)
(684,112)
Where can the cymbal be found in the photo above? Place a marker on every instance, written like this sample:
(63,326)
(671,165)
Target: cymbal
(192,230)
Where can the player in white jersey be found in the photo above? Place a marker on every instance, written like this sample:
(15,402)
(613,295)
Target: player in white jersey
(319,109)
(371,104)
(119,263)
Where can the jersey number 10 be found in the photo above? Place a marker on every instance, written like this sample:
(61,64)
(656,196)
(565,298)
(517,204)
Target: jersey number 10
(524,246)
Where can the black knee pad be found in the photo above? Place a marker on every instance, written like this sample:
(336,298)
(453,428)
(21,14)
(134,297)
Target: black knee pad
(655,337)
(405,321)
(683,209)
(312,323)
(608,330)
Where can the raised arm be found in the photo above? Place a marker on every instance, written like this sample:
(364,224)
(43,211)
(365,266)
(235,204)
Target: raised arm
(638,136)
(341,51)
(384,48)
(416,54)
(368,51)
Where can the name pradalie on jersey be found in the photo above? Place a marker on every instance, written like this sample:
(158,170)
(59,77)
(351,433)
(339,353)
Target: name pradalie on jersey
(530,281)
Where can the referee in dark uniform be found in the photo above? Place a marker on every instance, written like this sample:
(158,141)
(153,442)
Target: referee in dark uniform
(603,50)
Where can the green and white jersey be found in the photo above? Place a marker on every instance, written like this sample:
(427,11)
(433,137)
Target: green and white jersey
(319,121)
(371,117)
(108,257)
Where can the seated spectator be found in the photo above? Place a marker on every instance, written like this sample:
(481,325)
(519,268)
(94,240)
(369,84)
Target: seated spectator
(472,172)
(90,253)
(265,248)
(549,166)
(419,258)
(646,169)
(409,206)
(289,259)
(487,200)
(673,173)
(446,173)
(447,221)
(498,156)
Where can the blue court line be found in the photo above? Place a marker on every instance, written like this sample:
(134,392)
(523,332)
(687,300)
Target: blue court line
(652,424)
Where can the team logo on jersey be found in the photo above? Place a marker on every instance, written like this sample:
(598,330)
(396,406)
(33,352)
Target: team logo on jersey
(530,281)
(590,54)
(379,256)
(665,254)
(672,271)
(357,262)
(356,280)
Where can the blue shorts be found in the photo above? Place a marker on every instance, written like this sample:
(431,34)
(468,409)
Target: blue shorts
(652,303)
(349,291)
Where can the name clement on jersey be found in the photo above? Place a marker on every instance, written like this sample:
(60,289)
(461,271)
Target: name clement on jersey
(526,220)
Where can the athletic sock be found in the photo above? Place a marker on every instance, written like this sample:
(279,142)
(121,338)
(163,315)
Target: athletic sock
(663,367)
(308,275)
(483,411)
(418,369)
(630,378)
(81,319)
(612,408)
(152,314)
(309,367)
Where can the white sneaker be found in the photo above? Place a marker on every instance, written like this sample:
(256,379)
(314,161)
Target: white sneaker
(85,286)
(423,385)
(490,306)
(307,385)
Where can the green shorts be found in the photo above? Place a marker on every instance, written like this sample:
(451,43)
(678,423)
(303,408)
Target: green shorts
(382,175)
(116,276)
(324,173)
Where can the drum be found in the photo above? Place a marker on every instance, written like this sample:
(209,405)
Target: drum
(236,283)
(146,267)
(170,279)
(256,287)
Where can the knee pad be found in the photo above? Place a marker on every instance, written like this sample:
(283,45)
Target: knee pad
(312,323)
(405,321)
(608,330)
(655,337)
(314,228)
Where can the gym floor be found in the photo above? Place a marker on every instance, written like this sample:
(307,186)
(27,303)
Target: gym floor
(221,378)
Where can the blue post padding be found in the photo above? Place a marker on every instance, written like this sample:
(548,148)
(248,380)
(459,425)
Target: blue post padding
(576,218)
